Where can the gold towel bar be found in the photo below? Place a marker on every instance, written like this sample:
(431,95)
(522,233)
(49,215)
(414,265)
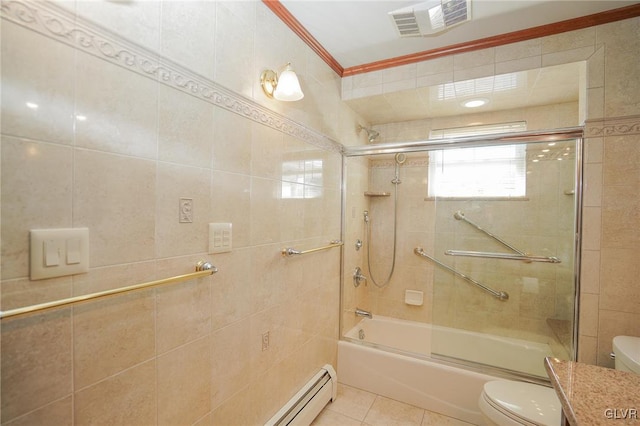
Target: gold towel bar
(203,269)
(286,252)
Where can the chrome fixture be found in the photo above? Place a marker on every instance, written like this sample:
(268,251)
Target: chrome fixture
(358,244)
(508,256)
(400,158)
(371,134)
(286,87)
(501,295)
(460,216)
(521,254)
(363,313)
(358,278)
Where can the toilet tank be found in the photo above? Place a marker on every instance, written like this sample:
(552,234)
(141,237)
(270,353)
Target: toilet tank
(627,351)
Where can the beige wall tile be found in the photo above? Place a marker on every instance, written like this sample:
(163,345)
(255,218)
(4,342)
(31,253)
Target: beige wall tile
(236,71)
(621,161)
(239,409)
(183,313)
(587,349)
(173,236)
(619,287)
(138,21)
(590,272)
(592,182)
(232,144)
(185,128)
(39,102)
(24,292)
(194,20)
(593,150)
(566,56)
(231,360)
(126,398)
(184,383)
(112,335)
(231,203)
(265,210)
(44,172)
(59,413)
(110,192)
(620,216)
(589,314)
(523,49)
(569,40)
(591,228)
(36,362)
(111,124)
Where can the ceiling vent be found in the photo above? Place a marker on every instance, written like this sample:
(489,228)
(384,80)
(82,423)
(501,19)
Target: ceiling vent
(430,17)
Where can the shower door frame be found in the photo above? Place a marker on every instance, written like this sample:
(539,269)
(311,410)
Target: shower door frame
(552,135)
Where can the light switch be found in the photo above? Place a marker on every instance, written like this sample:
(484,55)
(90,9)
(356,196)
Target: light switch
(74,251)
(220,237)
(58,252)
(51,253)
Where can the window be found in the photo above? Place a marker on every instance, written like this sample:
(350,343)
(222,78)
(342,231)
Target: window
(479,172)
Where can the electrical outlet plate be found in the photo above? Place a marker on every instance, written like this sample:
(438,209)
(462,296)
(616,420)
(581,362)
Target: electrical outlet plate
(220,238)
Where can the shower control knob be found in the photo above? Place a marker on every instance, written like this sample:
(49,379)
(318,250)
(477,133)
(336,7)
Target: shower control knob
(358,278)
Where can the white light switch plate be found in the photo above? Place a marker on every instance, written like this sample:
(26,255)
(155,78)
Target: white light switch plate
(220,238)
(58,252)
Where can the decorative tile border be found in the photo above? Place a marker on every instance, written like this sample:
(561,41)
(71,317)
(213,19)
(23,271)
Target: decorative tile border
(59,24)
(617,126)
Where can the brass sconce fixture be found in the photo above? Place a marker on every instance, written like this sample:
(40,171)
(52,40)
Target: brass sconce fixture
(285,87)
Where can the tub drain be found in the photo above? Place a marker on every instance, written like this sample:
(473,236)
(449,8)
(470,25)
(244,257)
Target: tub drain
(361,334)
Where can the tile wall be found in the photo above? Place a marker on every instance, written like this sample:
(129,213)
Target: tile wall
(112,112)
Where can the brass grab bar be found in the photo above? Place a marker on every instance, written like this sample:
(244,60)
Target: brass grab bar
(203,269)
(288,252)
(491,255)
(502,295)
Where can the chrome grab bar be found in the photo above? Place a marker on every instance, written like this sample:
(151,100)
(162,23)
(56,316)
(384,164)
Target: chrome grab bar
(502,295)
(508,256)
(288,252)
(460,216)
(203,269)
(521,255)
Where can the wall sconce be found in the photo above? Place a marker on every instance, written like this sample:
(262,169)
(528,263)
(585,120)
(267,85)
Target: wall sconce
(283,88)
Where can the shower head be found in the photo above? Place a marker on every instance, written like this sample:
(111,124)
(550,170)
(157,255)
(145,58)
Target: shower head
(371,134)
(459,215)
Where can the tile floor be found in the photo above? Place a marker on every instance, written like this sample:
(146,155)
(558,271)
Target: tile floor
(355,407)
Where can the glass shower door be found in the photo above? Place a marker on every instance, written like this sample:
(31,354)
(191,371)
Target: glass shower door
(503,253)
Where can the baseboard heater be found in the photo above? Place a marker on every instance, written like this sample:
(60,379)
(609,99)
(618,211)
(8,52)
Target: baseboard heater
(309,401)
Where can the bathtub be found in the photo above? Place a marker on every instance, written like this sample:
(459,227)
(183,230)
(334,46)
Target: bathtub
(382,363)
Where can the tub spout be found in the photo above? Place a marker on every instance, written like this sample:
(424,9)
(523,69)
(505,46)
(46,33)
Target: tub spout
(363,313)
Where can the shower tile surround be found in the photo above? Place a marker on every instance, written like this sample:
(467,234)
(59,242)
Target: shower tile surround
(609,294)
(192,352)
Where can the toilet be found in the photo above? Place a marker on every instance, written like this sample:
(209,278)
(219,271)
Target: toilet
(511,403)
(627,353)
(507,403)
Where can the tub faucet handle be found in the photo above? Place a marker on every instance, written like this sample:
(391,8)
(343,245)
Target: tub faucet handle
(358,278)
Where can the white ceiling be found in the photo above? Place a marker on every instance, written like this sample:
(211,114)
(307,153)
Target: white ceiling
(357,32)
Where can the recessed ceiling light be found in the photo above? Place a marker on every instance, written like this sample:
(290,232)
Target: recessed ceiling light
(474,103)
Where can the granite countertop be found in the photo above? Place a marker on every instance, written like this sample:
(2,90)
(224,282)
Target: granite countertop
(592,395)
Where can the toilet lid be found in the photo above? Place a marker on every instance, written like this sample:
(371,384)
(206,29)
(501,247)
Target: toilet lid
(534,403)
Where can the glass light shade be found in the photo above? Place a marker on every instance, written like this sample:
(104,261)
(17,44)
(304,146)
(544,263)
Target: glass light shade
(288,88)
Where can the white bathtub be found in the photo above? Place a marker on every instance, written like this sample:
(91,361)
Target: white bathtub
(422,382)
